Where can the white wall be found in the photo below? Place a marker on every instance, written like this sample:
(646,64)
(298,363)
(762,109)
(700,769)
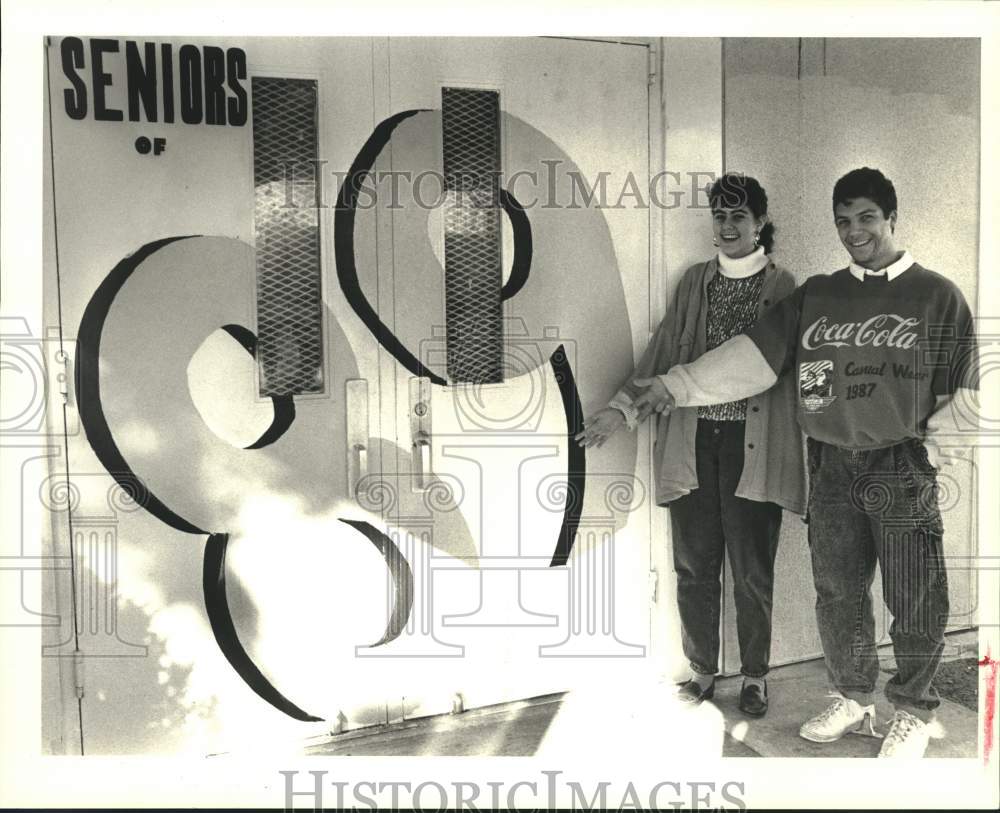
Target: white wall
(907,107)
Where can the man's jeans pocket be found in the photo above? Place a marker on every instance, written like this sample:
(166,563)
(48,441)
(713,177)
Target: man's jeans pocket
(914,468)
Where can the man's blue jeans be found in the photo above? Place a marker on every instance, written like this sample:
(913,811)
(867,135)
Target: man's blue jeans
(867,506)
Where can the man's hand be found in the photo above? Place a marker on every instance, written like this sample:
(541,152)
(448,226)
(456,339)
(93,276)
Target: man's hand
(599,427)
(655,398)
(935,455)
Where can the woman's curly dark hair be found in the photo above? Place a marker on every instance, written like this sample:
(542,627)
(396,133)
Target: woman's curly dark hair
(734,189)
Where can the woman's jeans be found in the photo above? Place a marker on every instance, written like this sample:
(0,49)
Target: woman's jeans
(708,521)
(867,506)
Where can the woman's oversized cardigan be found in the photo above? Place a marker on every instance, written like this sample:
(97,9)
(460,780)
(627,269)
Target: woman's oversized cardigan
(773,462)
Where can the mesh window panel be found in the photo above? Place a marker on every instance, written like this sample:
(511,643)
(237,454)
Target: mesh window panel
(286,225)
(472,236)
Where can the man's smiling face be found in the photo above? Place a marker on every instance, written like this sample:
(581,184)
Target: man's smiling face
(866,232)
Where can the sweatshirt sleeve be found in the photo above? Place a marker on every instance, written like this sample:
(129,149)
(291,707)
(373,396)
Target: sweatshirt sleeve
(733,370)
(958,348)
(776,333)
(955,413)
(745,365)
(955,383)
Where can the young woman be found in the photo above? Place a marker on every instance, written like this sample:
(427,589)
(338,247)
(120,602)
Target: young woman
(725,471)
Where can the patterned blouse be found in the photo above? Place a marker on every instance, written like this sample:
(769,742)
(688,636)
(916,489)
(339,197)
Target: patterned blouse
(732,308)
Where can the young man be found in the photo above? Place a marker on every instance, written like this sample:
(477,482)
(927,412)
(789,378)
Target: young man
(879,349)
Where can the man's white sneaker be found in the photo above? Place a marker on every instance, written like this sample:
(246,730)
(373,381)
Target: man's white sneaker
(844,716)
(907,737)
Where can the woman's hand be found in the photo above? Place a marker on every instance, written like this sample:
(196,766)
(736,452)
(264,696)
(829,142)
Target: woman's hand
(655,398)
(599,427)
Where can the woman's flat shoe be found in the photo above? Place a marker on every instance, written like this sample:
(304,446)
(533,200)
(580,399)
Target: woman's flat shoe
(753,701)
(691,692)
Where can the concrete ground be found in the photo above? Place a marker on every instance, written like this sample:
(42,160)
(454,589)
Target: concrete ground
(796,692)
(508,729)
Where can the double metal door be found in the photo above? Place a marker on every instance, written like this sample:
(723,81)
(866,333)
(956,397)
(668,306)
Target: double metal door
(329,350)
(517,301)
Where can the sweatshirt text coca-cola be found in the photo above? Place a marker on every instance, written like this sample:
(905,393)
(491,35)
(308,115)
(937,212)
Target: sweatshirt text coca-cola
(873,359)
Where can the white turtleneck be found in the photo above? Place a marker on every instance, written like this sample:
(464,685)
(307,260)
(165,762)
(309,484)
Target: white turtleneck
(742,266)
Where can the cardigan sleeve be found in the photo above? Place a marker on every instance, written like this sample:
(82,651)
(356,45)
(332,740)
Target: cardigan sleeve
(784,284)
(662,348)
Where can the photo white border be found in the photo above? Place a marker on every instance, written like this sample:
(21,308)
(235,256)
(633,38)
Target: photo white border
(28,779)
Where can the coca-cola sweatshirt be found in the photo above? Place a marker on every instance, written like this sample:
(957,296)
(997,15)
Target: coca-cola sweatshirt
(876,358)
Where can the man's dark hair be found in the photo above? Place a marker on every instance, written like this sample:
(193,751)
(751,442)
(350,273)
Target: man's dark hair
(866,183)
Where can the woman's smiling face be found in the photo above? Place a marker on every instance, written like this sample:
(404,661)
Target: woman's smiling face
(735,230)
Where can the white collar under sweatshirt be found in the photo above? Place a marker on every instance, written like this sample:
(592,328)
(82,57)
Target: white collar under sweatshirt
(891,271)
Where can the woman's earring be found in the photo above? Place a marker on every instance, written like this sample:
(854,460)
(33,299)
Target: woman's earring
(756,238)
(715,242)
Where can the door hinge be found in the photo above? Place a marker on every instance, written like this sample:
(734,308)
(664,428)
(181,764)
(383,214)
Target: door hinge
(78,672)
(62,359)
(654,580)
(651,65)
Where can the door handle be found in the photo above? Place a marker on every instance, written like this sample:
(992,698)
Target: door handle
(357,436)
(420,432)
(361,468)
(421,461)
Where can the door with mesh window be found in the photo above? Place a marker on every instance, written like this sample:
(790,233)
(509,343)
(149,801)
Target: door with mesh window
(216,573)
(515,277)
